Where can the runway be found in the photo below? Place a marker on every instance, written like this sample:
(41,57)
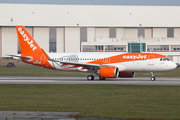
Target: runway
(83,80)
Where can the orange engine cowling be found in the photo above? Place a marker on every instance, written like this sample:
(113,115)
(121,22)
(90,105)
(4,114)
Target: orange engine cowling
(109,72)
(126,74)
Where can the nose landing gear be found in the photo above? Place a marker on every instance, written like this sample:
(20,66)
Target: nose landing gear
(152,76)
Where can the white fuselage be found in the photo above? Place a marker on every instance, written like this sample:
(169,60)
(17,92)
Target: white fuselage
(139,65)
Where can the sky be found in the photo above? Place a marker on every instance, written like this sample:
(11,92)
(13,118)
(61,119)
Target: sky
(99,2)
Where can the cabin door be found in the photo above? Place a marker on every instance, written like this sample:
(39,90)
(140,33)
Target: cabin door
(151,60)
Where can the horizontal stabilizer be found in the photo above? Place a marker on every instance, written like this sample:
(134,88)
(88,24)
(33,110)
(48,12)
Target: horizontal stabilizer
(28,58)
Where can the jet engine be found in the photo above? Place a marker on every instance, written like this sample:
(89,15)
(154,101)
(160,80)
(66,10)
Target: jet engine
(126,74)
(108,72)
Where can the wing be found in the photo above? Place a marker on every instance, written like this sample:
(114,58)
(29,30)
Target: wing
(83,65)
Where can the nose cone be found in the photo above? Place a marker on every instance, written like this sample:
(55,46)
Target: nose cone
(172,65)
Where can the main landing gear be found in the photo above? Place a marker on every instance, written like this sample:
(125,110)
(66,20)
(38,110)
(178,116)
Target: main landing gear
(152,76)
(101,78)
(90,77)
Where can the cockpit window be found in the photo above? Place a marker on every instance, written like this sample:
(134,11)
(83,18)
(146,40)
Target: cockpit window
(164,59)
(168,59)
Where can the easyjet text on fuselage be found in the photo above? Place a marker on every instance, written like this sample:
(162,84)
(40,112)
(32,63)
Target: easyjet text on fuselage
(134,56)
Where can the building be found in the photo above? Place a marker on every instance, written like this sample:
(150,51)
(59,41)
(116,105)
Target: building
(91,28)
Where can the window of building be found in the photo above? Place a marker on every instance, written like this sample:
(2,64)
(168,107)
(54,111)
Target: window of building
(136,47)
(141,32)
(52,39)
(91,48)
(115,48)
(83,34)
(175,47)
(108,48)
(99,47)
(88,48)
(112,32)
(158,48)
(170,32)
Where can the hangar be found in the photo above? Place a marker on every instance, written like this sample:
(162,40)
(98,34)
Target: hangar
(91,28)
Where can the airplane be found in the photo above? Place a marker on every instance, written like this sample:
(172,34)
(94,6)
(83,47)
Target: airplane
(104,64)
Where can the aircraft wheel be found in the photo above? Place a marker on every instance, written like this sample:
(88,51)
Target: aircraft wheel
(153,78)
(101,78)
(90,77)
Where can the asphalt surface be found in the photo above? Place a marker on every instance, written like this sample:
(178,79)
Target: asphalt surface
(83,80)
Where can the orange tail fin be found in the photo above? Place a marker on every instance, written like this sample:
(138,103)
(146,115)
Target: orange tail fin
(27,43)
(29,48)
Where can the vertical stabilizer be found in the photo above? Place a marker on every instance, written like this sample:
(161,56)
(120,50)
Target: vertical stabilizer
(27,43)
(30,49)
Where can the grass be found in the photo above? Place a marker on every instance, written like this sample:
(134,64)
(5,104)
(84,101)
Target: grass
(37,71)
(103,101)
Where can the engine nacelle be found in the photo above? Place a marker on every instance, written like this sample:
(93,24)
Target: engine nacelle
(109,72)
(126,74)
